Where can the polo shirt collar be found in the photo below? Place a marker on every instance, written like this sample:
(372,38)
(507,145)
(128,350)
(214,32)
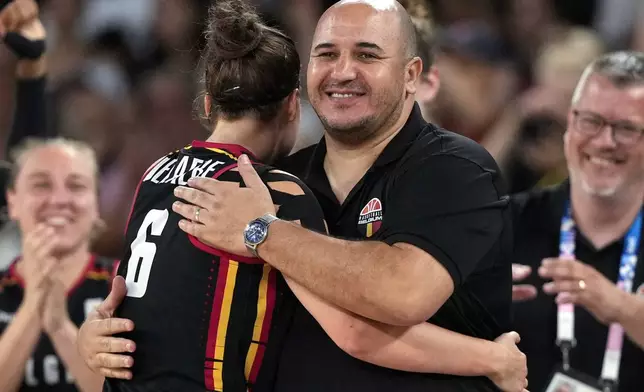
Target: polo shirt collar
(403,140)
(316,178)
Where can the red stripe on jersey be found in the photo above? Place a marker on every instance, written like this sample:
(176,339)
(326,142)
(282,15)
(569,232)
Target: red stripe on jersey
(212,366)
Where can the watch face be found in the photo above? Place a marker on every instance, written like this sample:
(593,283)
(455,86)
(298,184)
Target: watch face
(255,232)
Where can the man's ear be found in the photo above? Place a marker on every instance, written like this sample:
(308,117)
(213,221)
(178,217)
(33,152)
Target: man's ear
(413,71)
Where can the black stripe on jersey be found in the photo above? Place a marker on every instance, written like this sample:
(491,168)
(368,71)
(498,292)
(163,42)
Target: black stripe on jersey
(278,176)
(303,207)
(298,207)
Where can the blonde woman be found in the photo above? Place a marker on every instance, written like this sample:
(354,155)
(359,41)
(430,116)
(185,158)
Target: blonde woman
(56,281)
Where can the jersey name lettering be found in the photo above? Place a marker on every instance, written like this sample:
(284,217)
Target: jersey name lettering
(174,171)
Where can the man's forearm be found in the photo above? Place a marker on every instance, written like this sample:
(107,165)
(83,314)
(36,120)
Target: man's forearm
(369,278)
(423,348)
(632,318)
(64,341)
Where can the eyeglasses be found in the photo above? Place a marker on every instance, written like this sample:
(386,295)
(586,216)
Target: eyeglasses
(623,132)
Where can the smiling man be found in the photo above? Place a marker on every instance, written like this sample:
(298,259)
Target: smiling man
(588,230)
(423,211)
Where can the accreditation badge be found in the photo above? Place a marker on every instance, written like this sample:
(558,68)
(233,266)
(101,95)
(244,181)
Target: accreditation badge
(572,381)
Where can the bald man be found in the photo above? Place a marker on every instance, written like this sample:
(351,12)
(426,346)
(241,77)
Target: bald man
(419,222)
(423,214)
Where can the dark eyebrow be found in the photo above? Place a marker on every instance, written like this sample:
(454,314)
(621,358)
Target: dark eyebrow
(369,45)
(324,45)
(361,44)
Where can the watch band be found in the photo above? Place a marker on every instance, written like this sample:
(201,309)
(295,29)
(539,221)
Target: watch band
(268,219)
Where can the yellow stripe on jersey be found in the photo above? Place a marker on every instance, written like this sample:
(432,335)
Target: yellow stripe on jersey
(94,275)
(259,321)
(220,343)
(223,152)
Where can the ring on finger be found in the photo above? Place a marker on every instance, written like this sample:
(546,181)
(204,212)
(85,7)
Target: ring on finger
(197,211)
(582,285)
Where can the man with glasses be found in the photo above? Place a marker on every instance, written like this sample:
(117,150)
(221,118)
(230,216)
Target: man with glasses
(582,240)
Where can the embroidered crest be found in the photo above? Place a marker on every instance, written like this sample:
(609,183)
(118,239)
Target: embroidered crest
(370,218)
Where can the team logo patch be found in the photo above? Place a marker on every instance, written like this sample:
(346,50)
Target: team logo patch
(370,218)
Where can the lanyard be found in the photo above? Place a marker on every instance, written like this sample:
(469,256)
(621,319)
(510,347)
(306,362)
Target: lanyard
(566,312)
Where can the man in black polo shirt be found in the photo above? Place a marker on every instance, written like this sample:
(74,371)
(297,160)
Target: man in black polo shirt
(440,246)
(583,236)
(423,212)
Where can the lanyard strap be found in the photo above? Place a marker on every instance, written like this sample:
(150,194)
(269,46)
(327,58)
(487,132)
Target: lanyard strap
(566,312)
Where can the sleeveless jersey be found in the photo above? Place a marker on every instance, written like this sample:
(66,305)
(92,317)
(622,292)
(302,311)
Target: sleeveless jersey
(205,320)
(44,370)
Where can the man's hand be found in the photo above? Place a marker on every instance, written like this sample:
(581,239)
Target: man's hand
(522,292)
(95,343)
(217,212)
(512,376)
(578,283)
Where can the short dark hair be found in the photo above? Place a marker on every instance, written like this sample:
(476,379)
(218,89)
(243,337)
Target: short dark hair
(249,67)
(622,68)
(423,25)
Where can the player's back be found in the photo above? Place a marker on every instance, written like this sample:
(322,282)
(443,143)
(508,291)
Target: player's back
(202,317)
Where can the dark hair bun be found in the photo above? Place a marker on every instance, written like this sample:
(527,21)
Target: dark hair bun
(249,67)
(235,29)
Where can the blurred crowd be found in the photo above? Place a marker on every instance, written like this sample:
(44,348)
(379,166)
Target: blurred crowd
(121,76)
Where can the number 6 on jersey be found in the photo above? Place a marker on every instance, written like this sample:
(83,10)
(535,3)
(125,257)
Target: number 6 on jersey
(140,263)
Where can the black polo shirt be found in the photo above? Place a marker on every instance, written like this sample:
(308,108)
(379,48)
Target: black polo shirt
(442,193)
(537,222)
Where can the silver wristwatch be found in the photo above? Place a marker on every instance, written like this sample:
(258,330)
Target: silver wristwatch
(256,232)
